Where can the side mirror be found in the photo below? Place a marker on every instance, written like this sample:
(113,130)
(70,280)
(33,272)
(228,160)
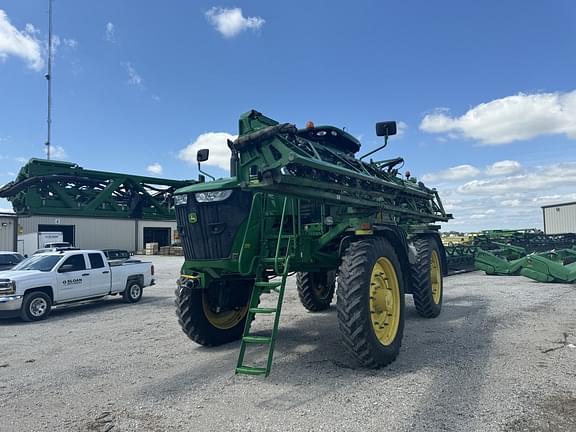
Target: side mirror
(65,268)
(386,128)
(202,155)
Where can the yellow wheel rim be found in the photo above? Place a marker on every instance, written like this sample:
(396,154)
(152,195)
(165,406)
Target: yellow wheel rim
(435,277)
(384,301)
(222,320)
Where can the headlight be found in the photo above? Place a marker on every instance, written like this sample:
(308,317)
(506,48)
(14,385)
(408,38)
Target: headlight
(7,287)
(213,196)
(180,199)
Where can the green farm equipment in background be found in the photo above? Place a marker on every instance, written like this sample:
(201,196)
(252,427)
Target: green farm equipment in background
(47,187)
(556,265)
(299,201)
(506,260)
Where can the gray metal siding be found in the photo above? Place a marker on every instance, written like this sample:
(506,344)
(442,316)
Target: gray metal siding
(89,233)
(7,233)
(560,219)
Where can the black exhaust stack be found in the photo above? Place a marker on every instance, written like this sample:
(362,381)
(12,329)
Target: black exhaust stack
(233,159)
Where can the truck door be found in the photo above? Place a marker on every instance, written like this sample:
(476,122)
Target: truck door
(99,274)
(73,279)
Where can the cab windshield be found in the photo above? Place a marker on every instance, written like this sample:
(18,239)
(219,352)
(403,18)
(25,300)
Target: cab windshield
(43,263)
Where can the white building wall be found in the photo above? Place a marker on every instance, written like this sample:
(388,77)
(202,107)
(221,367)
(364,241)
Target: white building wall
(89,233)
(560,219)
(7,233)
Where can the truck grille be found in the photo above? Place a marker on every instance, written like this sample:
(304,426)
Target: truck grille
(213,233)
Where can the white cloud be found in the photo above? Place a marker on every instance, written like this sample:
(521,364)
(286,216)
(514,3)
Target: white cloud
(134,77)
(216,142)
(230,22)
(57,41)
(512,118)
(401,128)
(536,179)
(70,43)
(511,203)
(56,152)
(508,202)
(455,173)
(504,167)
(110,33)
(23,44)
(553,199)
(31,30)
(154,168)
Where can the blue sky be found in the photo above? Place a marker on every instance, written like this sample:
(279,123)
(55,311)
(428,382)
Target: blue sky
(485,91)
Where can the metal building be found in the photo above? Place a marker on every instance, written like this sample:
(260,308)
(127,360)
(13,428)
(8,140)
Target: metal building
(8,231)
(102,233)
(560,218)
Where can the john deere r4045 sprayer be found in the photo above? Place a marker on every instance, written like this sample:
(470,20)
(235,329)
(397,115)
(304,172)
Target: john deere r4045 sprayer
(298,200)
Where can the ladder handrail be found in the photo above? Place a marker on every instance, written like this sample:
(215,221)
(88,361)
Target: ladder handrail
(291,237)
(257,196)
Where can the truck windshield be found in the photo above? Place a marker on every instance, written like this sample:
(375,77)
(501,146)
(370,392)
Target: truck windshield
(43,263)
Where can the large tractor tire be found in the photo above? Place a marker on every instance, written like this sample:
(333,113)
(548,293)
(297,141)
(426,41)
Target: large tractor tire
(316,289)
(370,302)
(426,277)
(215,315)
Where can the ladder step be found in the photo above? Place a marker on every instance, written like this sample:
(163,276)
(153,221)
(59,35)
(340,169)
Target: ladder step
(257,339)
(268,284)
(262,310)
(248,370)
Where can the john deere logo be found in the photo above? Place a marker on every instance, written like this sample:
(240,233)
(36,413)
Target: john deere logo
(192,217)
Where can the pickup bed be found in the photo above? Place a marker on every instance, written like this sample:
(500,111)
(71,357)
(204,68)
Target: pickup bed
(31,288)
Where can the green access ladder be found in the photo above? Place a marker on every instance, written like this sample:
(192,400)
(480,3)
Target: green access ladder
(280,265)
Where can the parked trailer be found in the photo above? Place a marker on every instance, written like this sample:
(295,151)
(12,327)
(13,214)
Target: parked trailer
(31,242)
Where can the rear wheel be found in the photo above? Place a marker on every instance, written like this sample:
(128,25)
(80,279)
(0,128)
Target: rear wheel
(426,275)
(215,315)
(36,306)
(133,292)
(370,302)
(316,289)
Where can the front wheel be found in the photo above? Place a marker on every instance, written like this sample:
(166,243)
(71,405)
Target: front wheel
(36,306)
(215,315)
(370,302)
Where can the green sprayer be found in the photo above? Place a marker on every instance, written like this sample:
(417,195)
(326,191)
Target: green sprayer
(299,201)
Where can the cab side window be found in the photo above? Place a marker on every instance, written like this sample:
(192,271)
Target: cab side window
(73,263)
(96,260)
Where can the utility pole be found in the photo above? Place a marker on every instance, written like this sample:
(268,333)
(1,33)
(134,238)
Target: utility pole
(49,78)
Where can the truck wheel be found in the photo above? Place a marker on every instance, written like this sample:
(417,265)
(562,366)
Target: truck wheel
(426,275)
(133,292)
(36,306)
(370,302)
(204,320)
(316,289)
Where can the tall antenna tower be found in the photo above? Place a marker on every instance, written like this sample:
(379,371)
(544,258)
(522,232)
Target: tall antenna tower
(49,78)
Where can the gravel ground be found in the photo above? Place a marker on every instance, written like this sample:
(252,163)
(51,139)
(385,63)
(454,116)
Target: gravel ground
(500,357)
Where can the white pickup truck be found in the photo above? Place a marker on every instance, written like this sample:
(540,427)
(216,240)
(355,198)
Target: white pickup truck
(30,289)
